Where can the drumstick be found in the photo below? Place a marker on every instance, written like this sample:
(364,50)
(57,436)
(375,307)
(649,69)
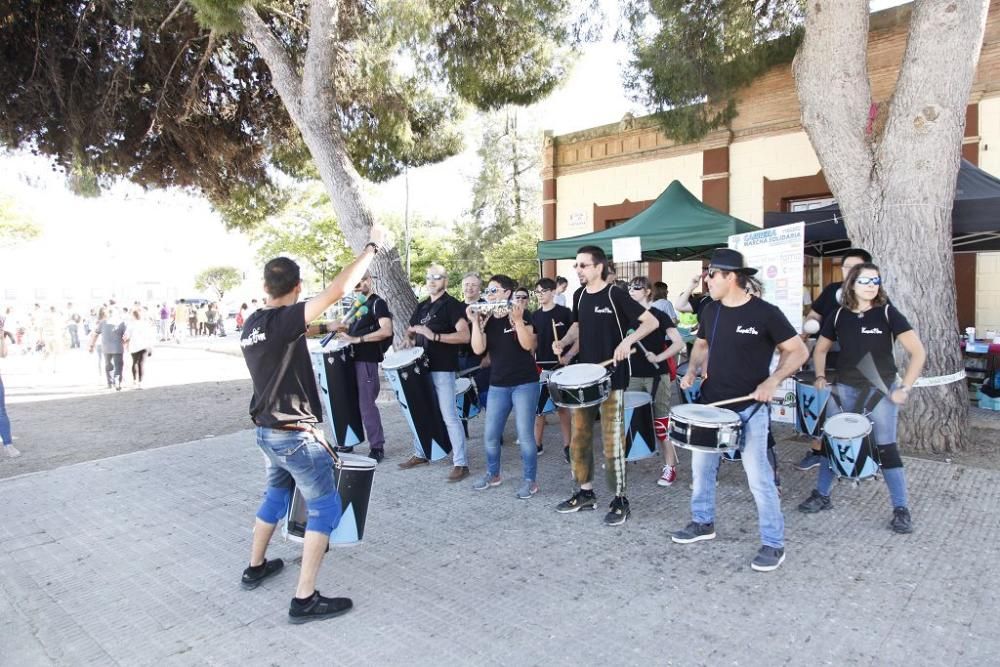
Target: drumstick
(612,359)
(469,371)
(730,400)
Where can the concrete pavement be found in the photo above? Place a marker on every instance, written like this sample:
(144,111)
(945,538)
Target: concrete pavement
(135,560)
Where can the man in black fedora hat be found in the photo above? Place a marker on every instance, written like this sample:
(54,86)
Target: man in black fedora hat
(737,337)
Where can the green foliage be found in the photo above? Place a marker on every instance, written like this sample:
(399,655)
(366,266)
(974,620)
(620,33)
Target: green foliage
(134,89)
(515,255)
(506,191)
(219,278)
(690,58)
(15,225)
(220,15)
(305,229)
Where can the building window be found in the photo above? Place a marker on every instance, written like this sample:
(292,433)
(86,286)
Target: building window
(797,205)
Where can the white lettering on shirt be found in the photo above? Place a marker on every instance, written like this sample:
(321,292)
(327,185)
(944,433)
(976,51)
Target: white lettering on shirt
(876,330)
(603,311)
(256,336)
(507,331)
(746,330)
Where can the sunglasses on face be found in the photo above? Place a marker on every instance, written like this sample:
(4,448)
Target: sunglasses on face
(521,297)
(711,273)
(582,266)
(435,276)
(540,292)
(492,290)
(869,281)
(636,288)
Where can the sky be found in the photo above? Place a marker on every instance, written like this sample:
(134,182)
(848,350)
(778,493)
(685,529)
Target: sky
(154,243)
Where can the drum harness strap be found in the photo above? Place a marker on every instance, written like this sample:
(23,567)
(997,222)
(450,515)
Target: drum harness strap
(864,404)
(756,407)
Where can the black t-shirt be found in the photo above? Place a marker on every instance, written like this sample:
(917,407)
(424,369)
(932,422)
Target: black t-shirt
(698,304)
(510,364)
(874,332)
(604,319)
(269,336)
(368,324)
(741,344)
(542,321)
(655,342)
(441,317)
(827,303)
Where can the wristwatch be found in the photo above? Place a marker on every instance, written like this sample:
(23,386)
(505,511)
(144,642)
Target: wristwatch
(373,246)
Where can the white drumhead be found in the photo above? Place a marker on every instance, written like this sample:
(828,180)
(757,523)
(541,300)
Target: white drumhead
(402,357)
(578,374)
(462,385)
(356,461)
(336,345)
(847,425)
(634,399)
(704,414)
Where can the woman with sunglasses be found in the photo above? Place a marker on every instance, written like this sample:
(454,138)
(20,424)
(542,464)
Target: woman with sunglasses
(650,373)
(867,324)
(509,339)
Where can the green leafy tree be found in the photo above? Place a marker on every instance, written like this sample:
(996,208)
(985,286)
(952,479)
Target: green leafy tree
(690,58)
(505,192)
(305,229)
(515,255)
(15,225)
(220,279)
(215,94)
(894,180)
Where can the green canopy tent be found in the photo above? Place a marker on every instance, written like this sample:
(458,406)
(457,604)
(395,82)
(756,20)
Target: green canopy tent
(675,227)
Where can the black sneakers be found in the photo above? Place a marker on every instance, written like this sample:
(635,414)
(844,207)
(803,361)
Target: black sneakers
(694,532)
(254,576)
(377,455)
(768,559)
(901,521)
(816,502)
(316,608)
(581,500)
(618,512)
(566,453)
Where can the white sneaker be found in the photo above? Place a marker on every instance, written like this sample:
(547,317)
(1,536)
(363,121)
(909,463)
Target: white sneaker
(11,452)
(668,476)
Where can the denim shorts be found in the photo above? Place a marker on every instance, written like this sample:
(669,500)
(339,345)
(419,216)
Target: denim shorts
(298,456)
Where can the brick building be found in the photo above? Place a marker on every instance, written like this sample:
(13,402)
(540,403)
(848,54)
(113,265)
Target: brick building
(602,176)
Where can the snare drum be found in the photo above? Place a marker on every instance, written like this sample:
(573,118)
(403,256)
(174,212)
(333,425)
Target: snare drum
(850,446)
(333,367)
(409,374)
(354,480)
(466,398)
(545,404)
(810,404)
(704,428)
(580,385)
(640,441)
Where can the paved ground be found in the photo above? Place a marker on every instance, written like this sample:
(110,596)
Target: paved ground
(134,559)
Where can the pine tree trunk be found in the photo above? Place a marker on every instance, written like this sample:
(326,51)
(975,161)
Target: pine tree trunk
(310,101)
(896,188)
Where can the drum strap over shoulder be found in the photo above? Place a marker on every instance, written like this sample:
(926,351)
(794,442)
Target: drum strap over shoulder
(743,431)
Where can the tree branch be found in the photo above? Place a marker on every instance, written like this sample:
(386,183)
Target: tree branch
(831,75)
(172,14)
(318,69)
(283,75)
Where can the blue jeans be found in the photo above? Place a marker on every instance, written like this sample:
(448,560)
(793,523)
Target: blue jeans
(4,419)
(444,388)
(760,478)
(883,417)
(523,398)
(298,456)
